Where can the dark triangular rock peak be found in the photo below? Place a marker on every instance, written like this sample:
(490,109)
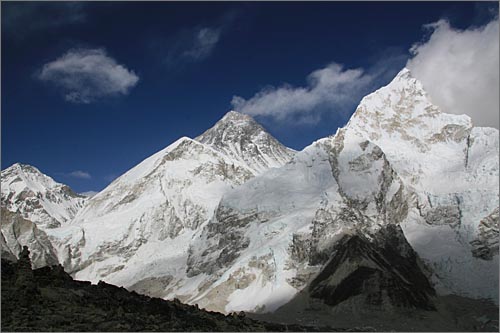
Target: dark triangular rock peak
(233,127)
(240,137)
(383,272)
(24,256)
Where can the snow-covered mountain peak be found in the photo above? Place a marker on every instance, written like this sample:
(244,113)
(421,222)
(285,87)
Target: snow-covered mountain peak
(240,137)
(402,120)
(37,197)
(403,108)
(27,173)
(235,116)
(234,127)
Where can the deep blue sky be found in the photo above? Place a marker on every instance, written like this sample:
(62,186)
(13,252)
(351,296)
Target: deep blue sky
(260,44)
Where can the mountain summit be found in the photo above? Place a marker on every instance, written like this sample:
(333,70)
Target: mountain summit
(37,197)
(240,137)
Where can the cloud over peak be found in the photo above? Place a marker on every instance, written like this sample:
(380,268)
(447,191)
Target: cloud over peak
(331,88)
(459,69)
(86,75)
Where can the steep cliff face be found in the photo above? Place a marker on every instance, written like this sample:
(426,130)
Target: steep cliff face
(17,232)
(383,273)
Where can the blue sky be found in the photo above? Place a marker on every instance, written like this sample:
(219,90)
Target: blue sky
(91,89)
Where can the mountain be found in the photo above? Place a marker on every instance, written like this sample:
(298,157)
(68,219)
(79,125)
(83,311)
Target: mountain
(451,168)
(37,197)
(137,231)
(272,235)
(399,160)
(401,205)
(32,203)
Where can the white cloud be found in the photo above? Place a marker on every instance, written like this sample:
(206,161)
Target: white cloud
(332,88)
(460,70)
(85,75)
(79,174)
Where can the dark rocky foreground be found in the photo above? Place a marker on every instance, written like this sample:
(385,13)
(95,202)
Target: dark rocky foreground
(48,299)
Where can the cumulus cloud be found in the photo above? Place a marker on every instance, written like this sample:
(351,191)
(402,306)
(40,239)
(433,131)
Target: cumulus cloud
(79,174)
(330,89)
(85,75)
(460,70)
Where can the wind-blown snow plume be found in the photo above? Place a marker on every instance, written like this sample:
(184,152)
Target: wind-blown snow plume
(332,86)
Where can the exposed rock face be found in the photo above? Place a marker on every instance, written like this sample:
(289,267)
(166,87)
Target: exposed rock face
(48,299)
(486,244)
(383,272)
(17,232)
(37,197)
(6,252)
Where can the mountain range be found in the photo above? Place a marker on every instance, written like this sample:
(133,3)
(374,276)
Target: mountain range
(396,209)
